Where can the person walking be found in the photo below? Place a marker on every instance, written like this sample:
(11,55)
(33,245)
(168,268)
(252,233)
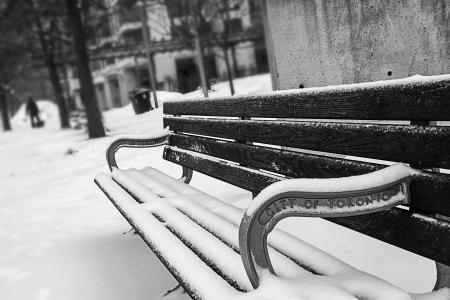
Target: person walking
(33,110)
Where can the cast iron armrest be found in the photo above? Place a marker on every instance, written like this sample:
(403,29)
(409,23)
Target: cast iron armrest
(156,140)
(326,198)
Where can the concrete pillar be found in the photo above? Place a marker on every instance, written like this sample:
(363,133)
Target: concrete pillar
(100,92)
(122,89)
(319,43)
(137,71)
(108,96)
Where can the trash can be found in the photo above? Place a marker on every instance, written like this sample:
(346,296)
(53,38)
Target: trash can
(140,98)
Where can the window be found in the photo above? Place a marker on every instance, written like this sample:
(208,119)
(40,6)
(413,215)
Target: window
(234,25)
(127,15)
(133,36)
(178,32)
(235,5)
(175,8)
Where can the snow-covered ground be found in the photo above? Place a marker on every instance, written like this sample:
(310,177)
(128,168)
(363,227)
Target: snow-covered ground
(60,238)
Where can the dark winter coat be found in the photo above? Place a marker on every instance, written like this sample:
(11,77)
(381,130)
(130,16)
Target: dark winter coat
(32,108)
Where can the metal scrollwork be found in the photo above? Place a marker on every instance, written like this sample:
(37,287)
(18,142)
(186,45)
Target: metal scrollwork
(259,222)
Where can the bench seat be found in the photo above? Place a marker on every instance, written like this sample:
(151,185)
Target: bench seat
(196,235)
(191,216)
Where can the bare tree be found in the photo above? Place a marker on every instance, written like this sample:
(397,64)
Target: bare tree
(14,55)
(223,30)
(49,39)
(193,27)
(209,23)
(149,55)
(74,13)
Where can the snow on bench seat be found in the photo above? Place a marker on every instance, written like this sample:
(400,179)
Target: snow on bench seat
(196,236)
(201,281)
(215,225)
(196,211)
(223,220)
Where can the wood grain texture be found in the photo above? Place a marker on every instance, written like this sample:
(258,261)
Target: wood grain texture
(396,226)
(430,191)
(289,163)
(395,101)
(251,180)
(422,146)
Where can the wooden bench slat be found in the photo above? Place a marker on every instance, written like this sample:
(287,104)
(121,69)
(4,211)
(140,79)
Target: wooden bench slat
(185,219)
(154,185)
(289,163)
(224,225)
(430,191)
(221,258)
(396,100)
(189,270)
(248,179)
(394,226)
(421,146)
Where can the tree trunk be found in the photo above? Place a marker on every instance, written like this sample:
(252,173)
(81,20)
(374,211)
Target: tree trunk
(201,64)
(228,66)
(137,71)
(149,55)
(87,89)
(5,114)
(233,57)
(69,101)
(58,91)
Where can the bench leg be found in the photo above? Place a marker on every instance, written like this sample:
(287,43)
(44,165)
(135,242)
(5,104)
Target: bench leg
(187,175)
(443,276)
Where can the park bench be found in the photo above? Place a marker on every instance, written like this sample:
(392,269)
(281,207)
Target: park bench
(317,152)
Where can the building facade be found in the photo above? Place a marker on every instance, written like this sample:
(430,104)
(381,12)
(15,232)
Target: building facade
(119,61)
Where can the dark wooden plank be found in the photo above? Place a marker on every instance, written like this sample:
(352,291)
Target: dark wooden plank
(397,227)
(422,146)
(430,191)
(251,180)
(427,99)
(289,163)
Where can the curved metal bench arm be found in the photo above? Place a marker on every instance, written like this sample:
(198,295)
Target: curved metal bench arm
(326,198)
(141,142)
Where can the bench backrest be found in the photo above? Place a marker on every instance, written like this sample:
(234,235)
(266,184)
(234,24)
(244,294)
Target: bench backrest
(253,141)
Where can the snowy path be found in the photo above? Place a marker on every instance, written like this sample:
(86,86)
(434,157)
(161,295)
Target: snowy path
(60,238)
